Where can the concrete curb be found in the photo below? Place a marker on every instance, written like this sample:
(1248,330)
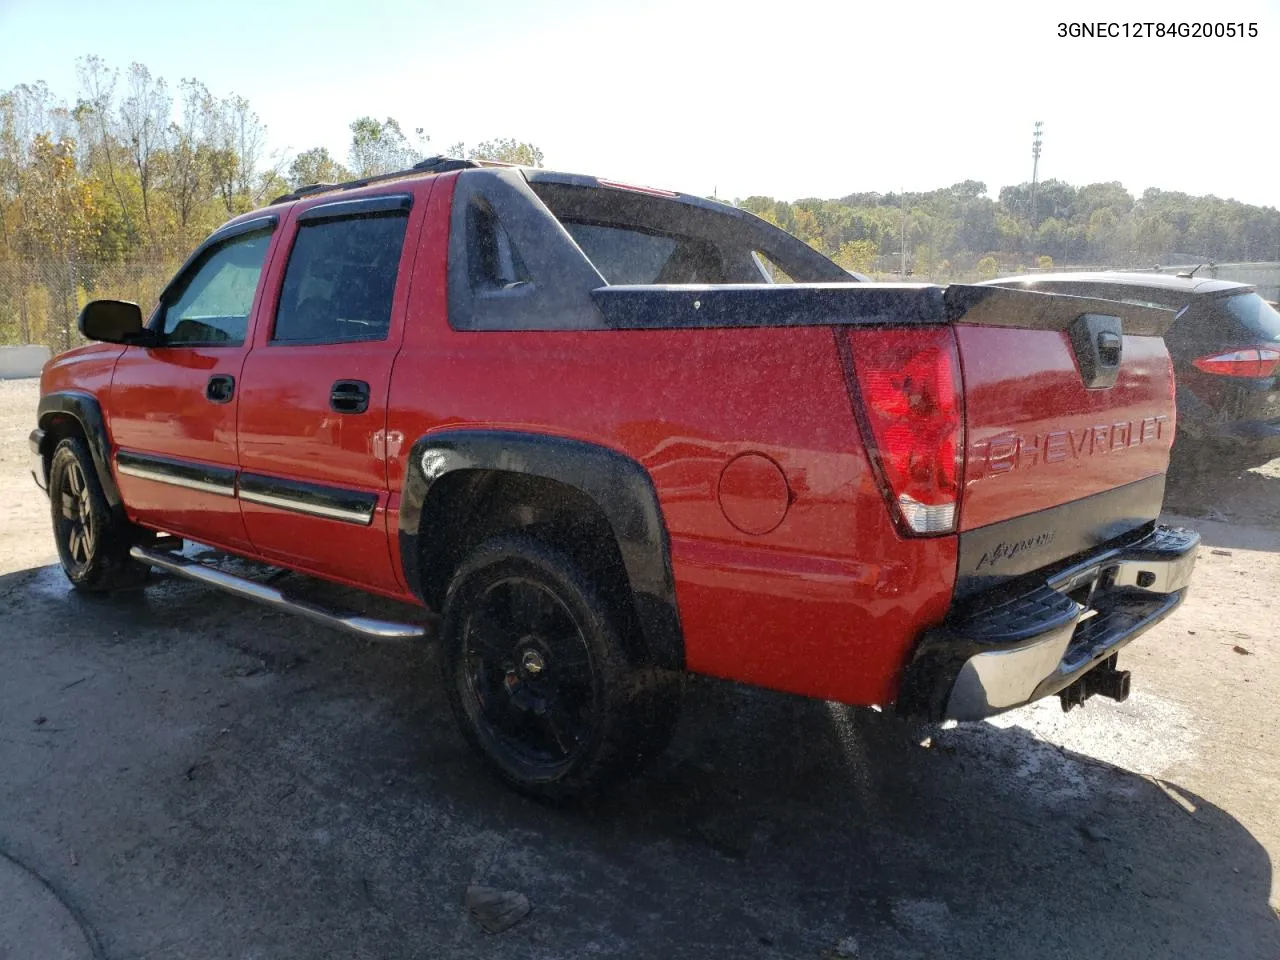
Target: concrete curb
(22,361)
(34,921)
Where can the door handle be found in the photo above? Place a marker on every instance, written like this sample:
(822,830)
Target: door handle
(1097,340)
(1109,348)
(220,388)
(349,396)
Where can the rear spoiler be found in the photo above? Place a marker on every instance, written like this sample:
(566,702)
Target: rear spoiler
(988,306)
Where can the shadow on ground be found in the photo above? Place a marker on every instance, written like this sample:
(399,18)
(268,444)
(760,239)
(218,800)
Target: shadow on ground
(234,782)
(1249,498)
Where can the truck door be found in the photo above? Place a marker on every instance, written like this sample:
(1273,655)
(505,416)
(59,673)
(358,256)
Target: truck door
(312,442)
(172,408)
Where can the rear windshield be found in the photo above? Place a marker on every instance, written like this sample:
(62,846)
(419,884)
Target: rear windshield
(1257,316)
(625,256)
(634,237)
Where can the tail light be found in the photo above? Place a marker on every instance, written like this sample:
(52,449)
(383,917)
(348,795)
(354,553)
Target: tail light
(1249,362)
(909,382)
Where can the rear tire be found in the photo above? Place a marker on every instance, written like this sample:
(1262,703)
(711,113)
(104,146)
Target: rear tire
(535,663)
(93,542)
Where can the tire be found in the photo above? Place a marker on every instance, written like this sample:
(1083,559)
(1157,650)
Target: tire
(93,543)
(535,663)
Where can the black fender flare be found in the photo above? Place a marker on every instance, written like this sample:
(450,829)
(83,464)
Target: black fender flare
(85,409)
(618,485)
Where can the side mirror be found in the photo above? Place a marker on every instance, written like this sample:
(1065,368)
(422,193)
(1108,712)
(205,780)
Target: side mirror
(114,321)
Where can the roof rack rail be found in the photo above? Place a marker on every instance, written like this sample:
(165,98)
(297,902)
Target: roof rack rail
(443,164)
(439,164)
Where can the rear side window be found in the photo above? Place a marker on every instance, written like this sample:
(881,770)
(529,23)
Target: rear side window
(493,262)
(340,280)
(1255,314)
(211,304)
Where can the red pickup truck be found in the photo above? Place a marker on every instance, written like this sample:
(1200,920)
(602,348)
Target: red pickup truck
(587,429)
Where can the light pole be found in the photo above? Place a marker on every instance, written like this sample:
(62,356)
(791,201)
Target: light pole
(1036,139)
(902,236)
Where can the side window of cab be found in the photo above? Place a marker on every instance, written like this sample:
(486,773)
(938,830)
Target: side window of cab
(341,277)
(209,303)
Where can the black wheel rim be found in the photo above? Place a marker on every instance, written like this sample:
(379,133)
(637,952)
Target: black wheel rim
(78,534)
(526,677)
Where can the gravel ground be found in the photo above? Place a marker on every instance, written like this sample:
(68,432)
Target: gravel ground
(199,777)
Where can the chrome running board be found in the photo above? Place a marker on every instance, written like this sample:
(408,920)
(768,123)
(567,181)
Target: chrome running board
(367,627)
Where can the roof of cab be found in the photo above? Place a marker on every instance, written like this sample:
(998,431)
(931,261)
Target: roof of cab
(442,164)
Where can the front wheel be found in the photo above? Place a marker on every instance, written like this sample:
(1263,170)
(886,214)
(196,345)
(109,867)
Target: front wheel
(539,675)
(93,543)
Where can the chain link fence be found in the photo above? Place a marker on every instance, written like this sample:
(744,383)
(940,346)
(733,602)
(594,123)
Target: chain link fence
(40,300)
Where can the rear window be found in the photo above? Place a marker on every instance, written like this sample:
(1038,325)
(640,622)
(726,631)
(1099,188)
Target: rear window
(633,237)
(1255,314)
(627,255)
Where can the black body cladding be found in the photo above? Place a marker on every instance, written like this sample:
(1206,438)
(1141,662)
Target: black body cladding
(996,555)
(616,484)
(557,295)
(767,305)
(85,410)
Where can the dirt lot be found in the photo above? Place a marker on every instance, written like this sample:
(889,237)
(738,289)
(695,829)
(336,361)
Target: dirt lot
(201,778)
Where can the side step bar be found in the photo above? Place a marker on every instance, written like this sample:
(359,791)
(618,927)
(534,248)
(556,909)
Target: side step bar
(252,590)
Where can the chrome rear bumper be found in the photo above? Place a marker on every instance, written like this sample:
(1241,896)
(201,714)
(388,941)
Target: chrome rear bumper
(999,655)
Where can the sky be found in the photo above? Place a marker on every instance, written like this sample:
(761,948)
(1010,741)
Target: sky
(791,99)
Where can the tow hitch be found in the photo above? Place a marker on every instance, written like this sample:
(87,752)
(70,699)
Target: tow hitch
(1103,679)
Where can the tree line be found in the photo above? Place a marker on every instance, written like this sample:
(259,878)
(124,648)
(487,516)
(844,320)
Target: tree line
(105,194)
(959,232)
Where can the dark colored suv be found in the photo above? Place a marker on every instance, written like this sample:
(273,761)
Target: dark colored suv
(1225,345)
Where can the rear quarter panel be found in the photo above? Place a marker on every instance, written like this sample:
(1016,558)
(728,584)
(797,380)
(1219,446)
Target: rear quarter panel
(827,604)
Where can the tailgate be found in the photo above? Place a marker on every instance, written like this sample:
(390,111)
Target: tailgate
(1069,420)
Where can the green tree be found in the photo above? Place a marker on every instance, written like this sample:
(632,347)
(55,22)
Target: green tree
(57,214)
(1051,237)
(507,151)
(857,255)
(107,193)
(1104,234)
(316,166)
(186,173)
(382,147)
(144,120)
(988,267)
